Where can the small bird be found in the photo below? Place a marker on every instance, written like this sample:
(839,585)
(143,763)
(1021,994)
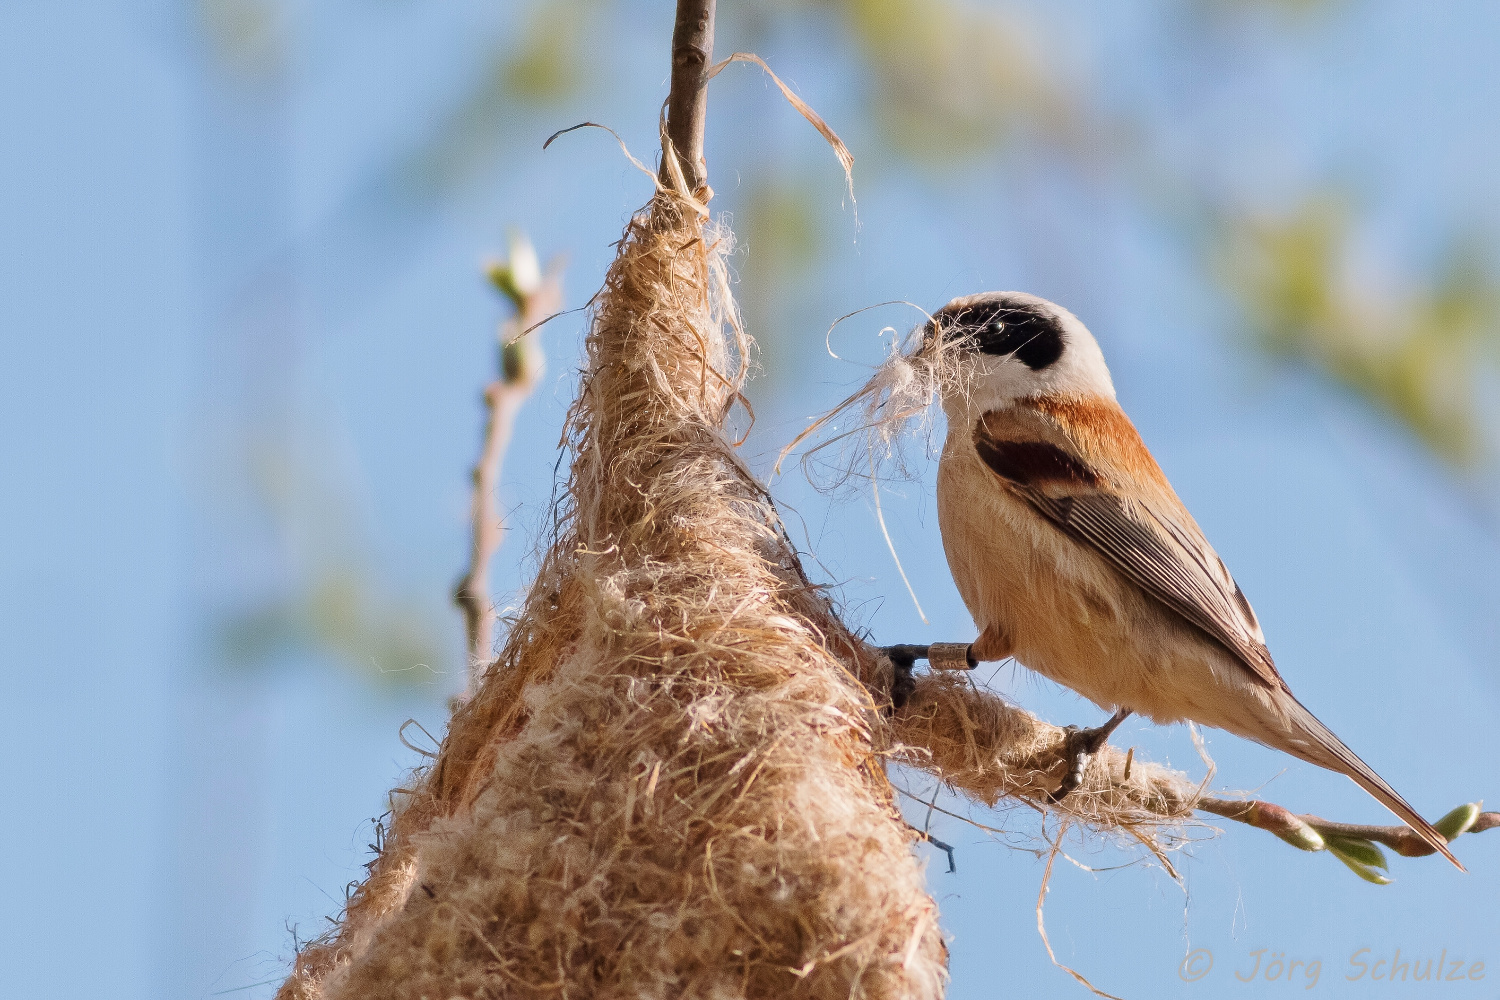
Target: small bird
(1075,556)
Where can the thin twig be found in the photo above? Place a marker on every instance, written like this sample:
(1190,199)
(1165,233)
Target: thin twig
(1281,821)
(687,104)
(534,300)
(971,739)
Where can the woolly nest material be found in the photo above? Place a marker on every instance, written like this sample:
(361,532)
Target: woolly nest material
(672,782)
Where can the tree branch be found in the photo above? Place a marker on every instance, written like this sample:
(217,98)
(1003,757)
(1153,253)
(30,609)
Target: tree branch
(687,104)
(990,749)
(1285,824)
(535,297)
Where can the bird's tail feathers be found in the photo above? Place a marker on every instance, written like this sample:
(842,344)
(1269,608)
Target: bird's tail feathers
(1323,748)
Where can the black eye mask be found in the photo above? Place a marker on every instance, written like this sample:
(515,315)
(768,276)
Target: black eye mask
(1004,330)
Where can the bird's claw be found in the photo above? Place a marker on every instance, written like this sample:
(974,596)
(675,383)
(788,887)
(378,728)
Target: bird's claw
(903,658)
(939,656)
(1079,747)
(1077,751)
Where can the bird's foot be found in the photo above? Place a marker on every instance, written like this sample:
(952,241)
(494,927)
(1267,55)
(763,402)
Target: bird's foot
(903,658)
(939,655)
(1079,747)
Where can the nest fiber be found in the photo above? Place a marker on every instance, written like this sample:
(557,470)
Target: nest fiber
(991,750)
(668,785)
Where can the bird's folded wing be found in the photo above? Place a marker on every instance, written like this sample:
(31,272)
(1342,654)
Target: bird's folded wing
(1154,542)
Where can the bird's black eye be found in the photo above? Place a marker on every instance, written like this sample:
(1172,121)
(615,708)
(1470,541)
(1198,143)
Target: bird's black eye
(1006,330)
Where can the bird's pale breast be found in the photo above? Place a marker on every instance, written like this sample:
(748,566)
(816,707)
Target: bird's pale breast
(1068,613)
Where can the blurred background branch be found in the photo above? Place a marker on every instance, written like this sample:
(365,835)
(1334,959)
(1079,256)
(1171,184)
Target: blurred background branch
(1410,345)
(959,89)
(534,296)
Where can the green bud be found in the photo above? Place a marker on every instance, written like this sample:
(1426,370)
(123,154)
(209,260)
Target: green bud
(519,276)
(1285,824)
(503,278)
(1457,822)
(1363,851)
(1302,837)
(1363,871)
(525,269)
(519,361)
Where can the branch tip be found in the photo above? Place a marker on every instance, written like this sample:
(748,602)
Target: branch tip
(687,103)
(534,295)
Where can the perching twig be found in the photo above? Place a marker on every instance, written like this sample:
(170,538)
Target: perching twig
(1282,822)
(990,749)
(687,104)
(535,297)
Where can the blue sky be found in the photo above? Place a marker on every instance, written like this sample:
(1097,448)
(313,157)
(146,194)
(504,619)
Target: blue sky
(179,260)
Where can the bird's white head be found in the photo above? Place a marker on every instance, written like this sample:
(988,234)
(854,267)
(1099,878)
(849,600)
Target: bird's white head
(1005,346)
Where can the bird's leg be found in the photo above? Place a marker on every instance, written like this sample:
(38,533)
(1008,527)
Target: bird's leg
(993,644)
(939,655)
(903,658)
(1078,747)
